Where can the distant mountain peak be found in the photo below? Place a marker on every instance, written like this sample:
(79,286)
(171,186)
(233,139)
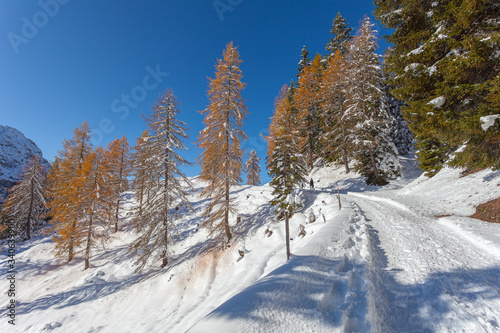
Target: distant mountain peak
(15,150)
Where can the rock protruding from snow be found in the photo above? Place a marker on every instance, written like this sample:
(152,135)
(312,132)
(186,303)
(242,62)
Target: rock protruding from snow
(15,151)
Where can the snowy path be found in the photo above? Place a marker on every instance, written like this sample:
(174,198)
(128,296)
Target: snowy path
(321,288)
(384,263)
(427,277)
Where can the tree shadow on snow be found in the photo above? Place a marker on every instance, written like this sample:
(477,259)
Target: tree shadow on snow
(283,291)
(310,289)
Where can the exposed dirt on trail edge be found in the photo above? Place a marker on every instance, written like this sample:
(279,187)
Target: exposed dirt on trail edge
(489,211)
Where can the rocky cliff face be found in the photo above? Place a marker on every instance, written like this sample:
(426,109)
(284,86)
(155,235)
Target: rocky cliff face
(15,151)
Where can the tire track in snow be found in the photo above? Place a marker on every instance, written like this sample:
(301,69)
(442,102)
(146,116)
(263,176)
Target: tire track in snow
(424,278)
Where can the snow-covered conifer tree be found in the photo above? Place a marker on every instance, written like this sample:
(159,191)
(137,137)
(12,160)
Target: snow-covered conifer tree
(304,61)
(375,154)
(142,173)
(445,57)
(118,165)
(341,33)
(26,200)
(252,169)
(400,132)
(166,185)
(286,164)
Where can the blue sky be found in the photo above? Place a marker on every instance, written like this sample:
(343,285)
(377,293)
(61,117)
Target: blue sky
(105,62)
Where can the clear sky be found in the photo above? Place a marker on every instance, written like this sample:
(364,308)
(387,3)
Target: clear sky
(64,62)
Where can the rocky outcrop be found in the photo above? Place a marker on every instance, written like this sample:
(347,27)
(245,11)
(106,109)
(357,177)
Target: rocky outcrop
(15,151)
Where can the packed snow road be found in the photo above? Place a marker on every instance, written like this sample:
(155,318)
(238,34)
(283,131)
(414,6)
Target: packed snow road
(403,258)
(427,275)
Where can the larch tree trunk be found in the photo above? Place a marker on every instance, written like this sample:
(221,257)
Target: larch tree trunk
(89,239)
(28,222)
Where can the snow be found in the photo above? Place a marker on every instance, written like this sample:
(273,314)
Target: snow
(401,258)
(433,69)
(413,67)
(15,151)
(418,50)
(438,102)
(488,121)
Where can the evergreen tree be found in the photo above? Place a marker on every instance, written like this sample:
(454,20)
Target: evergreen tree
(252,169)
(26,200)
(118,165)
(160,163)
(62,203)
(341,33)
(375,154)
(445,60)
(401,134)
(221,159)
(304,61)
(285,162)
(336,125)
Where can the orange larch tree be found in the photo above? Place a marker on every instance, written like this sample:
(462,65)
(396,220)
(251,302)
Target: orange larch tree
(62,203)
(94,195)
(307,101)
(335,140)
(220,141)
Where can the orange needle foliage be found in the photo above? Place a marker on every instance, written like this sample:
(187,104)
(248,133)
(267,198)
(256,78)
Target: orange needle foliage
(307,101)
(221,159)
(63,203)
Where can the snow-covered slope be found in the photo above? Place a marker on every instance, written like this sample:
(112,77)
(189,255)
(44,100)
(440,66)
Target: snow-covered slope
(388,261)
(15,151)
